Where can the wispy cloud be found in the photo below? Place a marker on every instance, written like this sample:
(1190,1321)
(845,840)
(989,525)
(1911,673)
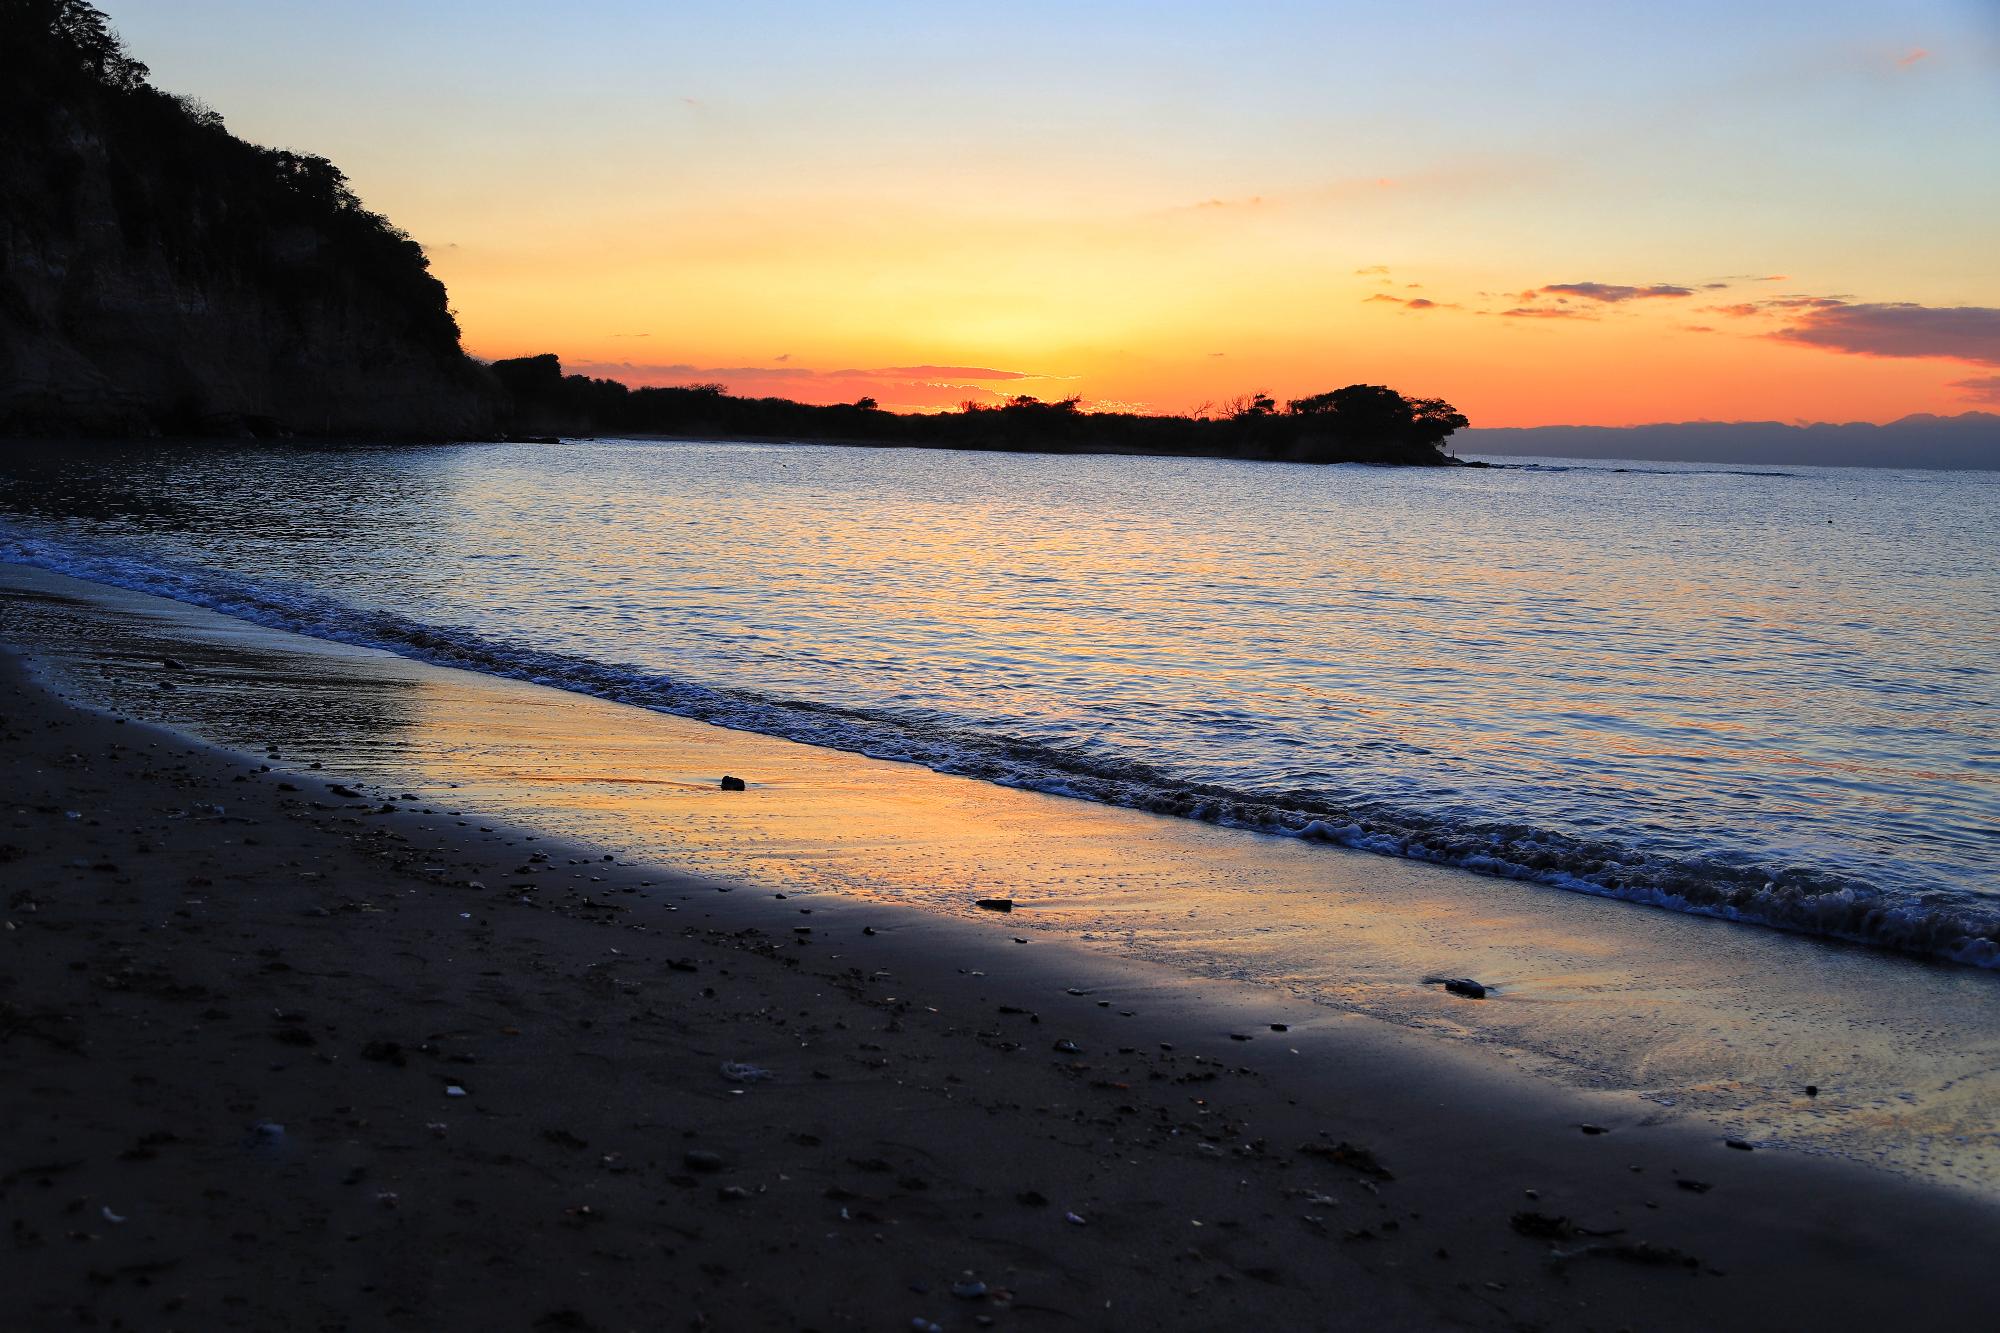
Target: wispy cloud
(1546,312)
(1980,388)
(1409,302)
(1912,57)
(953,372)
(1612,293)
(1774,305)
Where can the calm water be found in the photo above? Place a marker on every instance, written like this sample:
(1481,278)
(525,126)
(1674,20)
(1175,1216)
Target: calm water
(1763,693)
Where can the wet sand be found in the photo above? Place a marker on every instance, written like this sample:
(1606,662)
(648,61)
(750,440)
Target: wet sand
(285,1056)
(1684,1018)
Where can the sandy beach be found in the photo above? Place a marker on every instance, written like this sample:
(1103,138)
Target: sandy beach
(290,1049)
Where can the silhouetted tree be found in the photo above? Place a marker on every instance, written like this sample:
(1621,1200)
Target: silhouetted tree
(71,34)
(1249,406)
(1372,416)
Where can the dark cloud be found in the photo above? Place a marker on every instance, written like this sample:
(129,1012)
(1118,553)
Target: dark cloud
(1980,388)
(1612,292)
(1967,333)
(1546,312)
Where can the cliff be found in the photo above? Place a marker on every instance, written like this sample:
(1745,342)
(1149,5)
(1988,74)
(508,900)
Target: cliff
(159,275)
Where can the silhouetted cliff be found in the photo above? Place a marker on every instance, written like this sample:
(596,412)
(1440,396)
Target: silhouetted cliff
(158,274)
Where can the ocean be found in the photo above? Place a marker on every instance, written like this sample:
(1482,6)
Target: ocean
(1760,693)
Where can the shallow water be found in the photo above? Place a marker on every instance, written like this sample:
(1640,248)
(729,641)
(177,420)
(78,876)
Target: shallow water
(1761,693)
(1673,1016)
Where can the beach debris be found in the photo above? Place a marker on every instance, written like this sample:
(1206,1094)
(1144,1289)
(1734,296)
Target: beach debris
(1466,986)
(1032,1199)
(1348,1155)
(996,904)
(1636,1252)
(737,1071)
(1694,1186)
(973,1290)
(1068,1047)
(1544,1227)
(454,1090)
(169,664)
(266,1134)
(1593,1129)
(1240,1036)
(922,1325)
(732,1194)
(729,783)
(1812,1089)
(110,1216)
(1075,1220)
(700,1159)
(562,1138)
(1741,1145)
(1281,1027)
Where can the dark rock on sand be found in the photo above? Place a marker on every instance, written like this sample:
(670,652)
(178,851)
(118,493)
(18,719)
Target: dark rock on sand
(731,783)
(1348,1155)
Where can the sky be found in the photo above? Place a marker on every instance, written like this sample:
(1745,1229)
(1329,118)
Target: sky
(1597,213)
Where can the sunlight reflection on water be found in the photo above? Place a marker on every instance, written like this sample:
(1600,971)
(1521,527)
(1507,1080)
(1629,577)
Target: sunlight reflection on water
(1782,674)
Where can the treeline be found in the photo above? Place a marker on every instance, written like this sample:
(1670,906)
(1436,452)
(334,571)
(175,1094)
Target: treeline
(1362,423)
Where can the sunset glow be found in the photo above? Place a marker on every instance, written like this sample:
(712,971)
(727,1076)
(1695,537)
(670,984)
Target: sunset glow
(1783,213)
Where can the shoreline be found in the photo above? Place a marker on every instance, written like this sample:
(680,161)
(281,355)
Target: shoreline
(1685,1017)
(1771,894)
(157,1022)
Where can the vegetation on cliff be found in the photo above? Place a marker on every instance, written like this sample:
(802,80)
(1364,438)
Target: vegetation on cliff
(162,274)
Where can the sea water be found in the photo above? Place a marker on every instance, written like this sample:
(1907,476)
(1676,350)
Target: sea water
(1761,693)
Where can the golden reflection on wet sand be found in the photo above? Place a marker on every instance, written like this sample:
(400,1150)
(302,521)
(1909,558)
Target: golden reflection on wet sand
(1702,1017)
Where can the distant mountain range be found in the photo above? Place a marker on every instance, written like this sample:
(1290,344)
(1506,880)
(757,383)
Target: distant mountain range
(1969,440)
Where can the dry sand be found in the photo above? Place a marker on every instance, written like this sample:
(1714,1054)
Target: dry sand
(274,1061)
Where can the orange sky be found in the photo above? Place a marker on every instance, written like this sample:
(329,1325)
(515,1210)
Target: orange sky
(1781,211)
